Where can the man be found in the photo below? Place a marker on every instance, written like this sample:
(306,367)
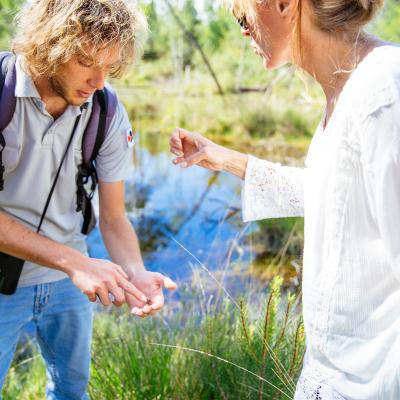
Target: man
(65,50)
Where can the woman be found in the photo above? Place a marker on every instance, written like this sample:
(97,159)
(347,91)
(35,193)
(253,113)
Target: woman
(348,191)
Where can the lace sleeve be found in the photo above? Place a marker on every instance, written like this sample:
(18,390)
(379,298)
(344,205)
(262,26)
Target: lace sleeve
(271,191)
(307,389)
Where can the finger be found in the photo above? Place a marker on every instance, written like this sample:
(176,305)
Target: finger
(138,312)
(176,151)
(133,301)
(157,302)
(121,271)
(135,304)
(91,296)
(118,296)
(175,135)
(146,309)
(175,143)
(134,310)
(179,160)
(176,139)
(151,313)
(183,133)
(168,283)
(131,289)
(102,294)
(194,159)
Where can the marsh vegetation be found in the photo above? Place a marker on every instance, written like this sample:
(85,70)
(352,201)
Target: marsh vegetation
(234,329)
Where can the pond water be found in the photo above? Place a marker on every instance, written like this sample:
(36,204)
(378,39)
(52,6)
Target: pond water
(186,219)
(189,226)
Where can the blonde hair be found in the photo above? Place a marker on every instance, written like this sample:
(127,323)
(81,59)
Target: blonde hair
(51,32)
(329,15)
(343,15)
(346,17)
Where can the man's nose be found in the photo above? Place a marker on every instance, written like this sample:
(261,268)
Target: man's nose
(98,78)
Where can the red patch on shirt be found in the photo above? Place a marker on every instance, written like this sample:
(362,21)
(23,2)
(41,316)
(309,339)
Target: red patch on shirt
(129,137)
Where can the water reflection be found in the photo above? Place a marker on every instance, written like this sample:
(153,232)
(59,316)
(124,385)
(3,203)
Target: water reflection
(173,208)
(194,207)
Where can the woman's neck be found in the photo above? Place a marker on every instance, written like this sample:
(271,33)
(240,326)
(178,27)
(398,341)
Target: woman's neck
(331,60)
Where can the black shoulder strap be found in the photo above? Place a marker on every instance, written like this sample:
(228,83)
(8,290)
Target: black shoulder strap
(7,88)
(3,69)
(7,101)
(90,149)
(58,174)
(102,98)
(103,110)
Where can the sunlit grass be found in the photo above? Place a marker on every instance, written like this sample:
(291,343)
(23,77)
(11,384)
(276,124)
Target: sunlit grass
(197,349)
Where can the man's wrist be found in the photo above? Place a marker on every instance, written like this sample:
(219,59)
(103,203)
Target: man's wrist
(70,261)
(134,269)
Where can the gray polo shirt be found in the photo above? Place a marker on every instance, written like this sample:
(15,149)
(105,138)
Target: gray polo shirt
(35,144)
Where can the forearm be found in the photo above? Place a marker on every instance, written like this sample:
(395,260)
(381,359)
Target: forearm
(122,243)
(19,241)
(234,162)
(93,277)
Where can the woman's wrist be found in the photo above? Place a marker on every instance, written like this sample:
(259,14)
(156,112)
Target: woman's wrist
(234,162)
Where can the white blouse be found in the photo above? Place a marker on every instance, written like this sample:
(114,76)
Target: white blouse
(349,194)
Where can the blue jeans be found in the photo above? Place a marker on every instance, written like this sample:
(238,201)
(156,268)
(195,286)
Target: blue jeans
(62,316)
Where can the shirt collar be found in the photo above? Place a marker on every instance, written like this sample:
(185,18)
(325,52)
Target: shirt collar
(25,87)
(24,84)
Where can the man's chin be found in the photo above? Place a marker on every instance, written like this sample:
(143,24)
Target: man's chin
(76,101)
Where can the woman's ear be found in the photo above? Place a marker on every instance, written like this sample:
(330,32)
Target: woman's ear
(286,8)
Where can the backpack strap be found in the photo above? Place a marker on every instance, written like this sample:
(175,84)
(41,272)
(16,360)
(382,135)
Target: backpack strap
(7,100)
(104,107)
(103,110)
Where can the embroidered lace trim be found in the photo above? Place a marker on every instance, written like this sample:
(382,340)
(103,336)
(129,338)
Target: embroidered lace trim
(271,190)
(308,389)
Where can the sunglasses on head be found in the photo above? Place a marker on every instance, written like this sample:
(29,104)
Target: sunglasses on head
(242,21)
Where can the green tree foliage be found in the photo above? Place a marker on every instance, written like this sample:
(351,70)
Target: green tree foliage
(217,32)
(387,25)
(214,28)
(8,10)
(158,42)
(218,23)
(183,22)
(191,21)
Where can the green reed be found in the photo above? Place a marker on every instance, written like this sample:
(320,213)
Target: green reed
(212,351)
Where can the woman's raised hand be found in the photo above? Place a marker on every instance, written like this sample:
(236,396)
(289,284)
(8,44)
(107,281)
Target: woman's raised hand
(191,148)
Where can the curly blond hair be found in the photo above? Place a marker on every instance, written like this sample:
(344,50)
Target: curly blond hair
(50,32)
